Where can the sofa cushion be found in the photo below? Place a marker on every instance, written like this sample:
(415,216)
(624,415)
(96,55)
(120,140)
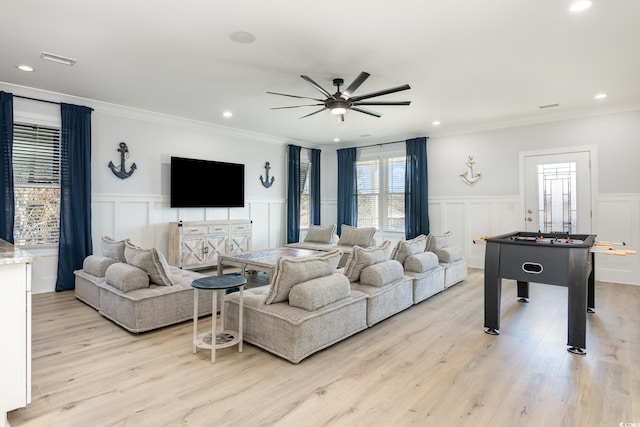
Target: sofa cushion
(291,271)
(320,233)
(406,248)
(449,254)
(126,277)
(316,293)
(356,236)
(113,249)
(419,263)
(364,257)
(382,273)
(149,260)
(97,265)
(438,241)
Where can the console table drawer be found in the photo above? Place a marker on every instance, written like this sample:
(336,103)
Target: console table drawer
(240,229)
(219,229)
(194,229)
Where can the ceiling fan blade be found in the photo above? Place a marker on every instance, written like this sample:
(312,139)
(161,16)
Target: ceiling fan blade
(295,96)
(294,106)
(362,110)
(318,87)
(380,93)
(315,112)
(382,103)
(355,85)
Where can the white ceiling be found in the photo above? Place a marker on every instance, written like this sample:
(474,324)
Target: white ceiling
(471,64)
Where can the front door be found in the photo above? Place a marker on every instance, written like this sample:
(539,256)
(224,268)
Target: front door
(558,192)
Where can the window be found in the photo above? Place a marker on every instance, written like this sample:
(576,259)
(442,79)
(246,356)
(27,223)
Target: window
(36,177)
(380,186)
(305,193)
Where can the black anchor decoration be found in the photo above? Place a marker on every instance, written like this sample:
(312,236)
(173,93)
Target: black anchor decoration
(121,171)
(265,182)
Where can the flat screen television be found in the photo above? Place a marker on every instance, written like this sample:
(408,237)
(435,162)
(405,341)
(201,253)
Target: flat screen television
(206,184)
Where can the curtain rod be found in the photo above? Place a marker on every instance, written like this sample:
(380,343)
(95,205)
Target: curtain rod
(383,143)
(36,99)
(41,100)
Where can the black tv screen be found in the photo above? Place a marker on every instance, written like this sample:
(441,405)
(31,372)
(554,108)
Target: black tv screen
(206,184)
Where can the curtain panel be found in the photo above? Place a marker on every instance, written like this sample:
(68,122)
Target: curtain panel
(7,210)
(315,187)
(416,202)
(293,195)
(347,188)
(75,193)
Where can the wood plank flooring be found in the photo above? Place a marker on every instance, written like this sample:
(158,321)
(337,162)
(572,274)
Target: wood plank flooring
(430,365)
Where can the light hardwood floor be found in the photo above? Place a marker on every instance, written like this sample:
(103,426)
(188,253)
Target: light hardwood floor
(429,365)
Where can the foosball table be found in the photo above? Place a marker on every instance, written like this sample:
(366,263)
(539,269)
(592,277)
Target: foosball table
(549,258)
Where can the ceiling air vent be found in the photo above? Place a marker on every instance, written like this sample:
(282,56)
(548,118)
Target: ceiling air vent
(57,58)
(549,106)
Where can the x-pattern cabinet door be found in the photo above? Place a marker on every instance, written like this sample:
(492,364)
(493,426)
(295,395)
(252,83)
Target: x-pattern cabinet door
(193,251)
(240,243)
(216,245)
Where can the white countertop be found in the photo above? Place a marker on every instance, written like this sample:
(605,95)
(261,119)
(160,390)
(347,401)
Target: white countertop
(10,254)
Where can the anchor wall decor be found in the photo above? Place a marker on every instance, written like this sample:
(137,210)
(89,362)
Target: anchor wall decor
(121,171)
(469,176)
(265,182)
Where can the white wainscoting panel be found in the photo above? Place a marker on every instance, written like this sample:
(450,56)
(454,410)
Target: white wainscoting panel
(473,217)
(44,270)
(619,221)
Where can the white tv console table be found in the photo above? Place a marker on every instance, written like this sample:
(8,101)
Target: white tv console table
(15,315)
(197,244)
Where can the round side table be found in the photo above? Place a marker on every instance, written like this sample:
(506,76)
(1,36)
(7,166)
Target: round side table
(213,340)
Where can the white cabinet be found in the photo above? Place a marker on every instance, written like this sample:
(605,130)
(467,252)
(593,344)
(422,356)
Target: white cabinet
(15,316)
(196,244)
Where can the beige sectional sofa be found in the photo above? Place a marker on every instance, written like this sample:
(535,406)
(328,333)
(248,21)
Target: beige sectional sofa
(136,289)
(310,304)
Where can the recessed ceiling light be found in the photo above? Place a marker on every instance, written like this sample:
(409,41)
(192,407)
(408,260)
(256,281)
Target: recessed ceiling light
(242,37)
(580,5)
(436,123)
(600,96)
(227,114)
(57,58)
(336,139)
(26,68)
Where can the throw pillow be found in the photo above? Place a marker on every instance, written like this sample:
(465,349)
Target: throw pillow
(126,277)
(419,263)
(149,260)
(356,236)
(438,241)
(113,249)
(97,265)
(320,233)
(316,293)
(364,257)
(290,271)
(382,273)
(406,248)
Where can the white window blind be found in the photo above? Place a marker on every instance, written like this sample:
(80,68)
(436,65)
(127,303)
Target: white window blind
(368,188)
(36,175)
(394,219)
(305,194)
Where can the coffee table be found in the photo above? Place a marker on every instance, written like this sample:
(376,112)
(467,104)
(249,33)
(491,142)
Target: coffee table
(265,260)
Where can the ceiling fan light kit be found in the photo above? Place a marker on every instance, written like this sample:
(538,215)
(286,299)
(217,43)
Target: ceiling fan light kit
(339,102)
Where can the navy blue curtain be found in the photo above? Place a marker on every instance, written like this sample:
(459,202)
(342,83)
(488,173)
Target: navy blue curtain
(293,195)
(347,191)
(416,204)
(7,210)
(315,187)
(75,193)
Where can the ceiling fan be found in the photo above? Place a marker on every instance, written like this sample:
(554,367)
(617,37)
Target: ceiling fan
(339,102)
